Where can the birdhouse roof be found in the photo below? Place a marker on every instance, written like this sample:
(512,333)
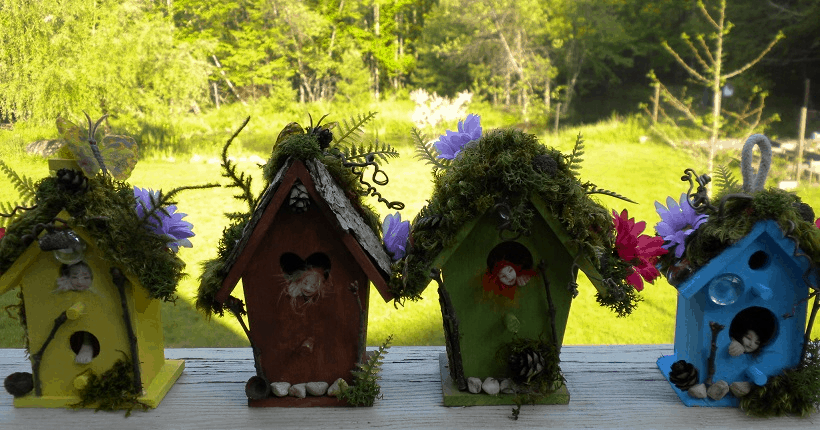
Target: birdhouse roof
(105,214)
(510,173)
(358,237)
(767,231)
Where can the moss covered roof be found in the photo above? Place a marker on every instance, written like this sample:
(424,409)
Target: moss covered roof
(507,168)
(106,212)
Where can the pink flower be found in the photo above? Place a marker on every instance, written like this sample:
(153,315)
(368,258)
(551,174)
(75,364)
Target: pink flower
(2,232)
(639,250)
(816,222)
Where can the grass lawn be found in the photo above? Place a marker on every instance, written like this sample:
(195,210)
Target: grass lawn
(615,159)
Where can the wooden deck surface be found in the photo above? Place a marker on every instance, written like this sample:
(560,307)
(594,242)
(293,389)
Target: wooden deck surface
(616,386)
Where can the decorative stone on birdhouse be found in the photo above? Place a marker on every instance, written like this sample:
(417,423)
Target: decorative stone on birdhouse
(504,234)
(306,252)
(745,272)
(93,258)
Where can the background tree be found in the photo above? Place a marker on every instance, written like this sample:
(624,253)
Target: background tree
(708,72)
(62,57)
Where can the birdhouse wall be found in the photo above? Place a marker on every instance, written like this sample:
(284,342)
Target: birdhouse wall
(100,315)
(481,314)
(762,265)
(305,333)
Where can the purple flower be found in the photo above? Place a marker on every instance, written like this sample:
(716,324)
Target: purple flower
(396,233)
(451,143)
(677,222)
(171,225)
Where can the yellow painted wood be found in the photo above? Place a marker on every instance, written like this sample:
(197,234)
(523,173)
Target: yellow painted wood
(152,395)
(97,311)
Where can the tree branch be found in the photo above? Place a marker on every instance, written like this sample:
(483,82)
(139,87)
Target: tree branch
(688,69)
(756,60)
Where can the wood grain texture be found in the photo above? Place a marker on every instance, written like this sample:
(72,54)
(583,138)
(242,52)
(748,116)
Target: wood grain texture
(615,386)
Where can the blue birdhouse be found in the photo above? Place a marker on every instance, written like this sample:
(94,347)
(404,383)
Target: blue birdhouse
(745,270)
(748,305)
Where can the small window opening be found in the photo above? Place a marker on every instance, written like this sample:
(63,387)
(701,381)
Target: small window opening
(85,345)
(759,260)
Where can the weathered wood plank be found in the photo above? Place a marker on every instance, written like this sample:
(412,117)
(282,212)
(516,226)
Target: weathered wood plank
(616,386)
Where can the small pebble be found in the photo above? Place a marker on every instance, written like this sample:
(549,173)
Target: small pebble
(316,388)
(506,386)
(337,387)
(490,386)
(280,389)
(740,388)
(718,390)
(474,385)
(698,391)
(297,390)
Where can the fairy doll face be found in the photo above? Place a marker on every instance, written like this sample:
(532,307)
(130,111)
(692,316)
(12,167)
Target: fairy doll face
(750,341)
(76,277)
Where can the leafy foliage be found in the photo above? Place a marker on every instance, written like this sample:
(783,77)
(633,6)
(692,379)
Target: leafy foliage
(365,387)
(426,154)
(575,159)
(112,390)
(27,189)
(726,181)
(545,382)
(352,130)
(237,181)
(794,392)
(361,153)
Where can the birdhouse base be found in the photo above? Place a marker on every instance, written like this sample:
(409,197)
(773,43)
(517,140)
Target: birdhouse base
(294,402)
(153,394)
(728,401)
(454,397)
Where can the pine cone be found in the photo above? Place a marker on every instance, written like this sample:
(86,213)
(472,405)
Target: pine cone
(298,199)
(525,364)
(324,136)
(71,181)
(684,375)
(545,164)
(805,211)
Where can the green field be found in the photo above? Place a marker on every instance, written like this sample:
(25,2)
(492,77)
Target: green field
(615,159)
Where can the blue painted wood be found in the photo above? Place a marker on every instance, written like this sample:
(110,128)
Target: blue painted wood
(771,296)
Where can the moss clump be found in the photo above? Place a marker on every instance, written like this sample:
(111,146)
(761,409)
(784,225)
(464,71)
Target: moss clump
(113,390)
(794,392)
(365,388)
(107,212)
(511,168)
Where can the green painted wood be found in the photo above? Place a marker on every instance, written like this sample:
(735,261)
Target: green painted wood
(454,397)
(586,266)
(482,315)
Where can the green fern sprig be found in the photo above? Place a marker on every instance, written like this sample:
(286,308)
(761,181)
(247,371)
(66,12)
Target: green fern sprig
(350,132)
(592,189)
(365,379)
(575,159)
(22,183)
(424,153)
(726,181)
(239,181)
(382,150)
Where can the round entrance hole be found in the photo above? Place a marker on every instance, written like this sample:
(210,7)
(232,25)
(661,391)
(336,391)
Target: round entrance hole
(759,260)
(512,252)
(757,319)
(85,345)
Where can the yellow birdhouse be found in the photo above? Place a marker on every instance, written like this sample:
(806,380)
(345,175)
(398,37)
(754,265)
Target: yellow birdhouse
(93,259)
(76,322)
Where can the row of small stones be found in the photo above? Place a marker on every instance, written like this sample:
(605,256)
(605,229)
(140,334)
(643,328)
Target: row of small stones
(282,389)
(719,389)
(491,386)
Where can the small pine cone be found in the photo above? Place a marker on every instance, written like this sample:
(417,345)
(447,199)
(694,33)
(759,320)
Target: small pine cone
(805,211)
(72,181)
(684,375)
(324,136)
(525,364)
(298,199)
(19,383)
(545,164)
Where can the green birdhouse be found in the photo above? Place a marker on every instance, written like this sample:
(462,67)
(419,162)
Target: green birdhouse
(504,234)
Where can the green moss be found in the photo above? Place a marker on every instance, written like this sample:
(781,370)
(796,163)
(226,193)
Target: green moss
(106,212)
(510,167)
(113,390)
(545,382)
(794,392)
